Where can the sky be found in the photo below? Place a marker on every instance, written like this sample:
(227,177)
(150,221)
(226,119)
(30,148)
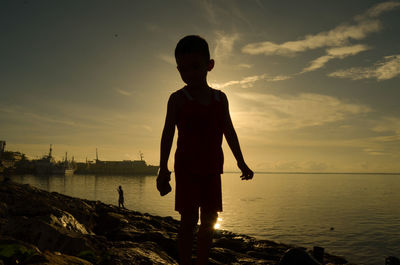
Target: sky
(313,86)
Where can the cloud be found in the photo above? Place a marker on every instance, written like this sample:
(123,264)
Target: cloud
(245,82)
(70,114)
(286,166)
(336,37)
(210,10)
(366,24)
(219,12)
(335,53)
(386,69)
(31,118)
(273,113)
(154,28)
(122,92)
(224,44)
(388,139)
(279,78)
(388,124)
(250,80)
(294,166)
(374,152)
(7,110)
(15,112)
(318,63)
(243,65)
(46,119)
(378,9)
(342,52)
(168,59)
(316,166)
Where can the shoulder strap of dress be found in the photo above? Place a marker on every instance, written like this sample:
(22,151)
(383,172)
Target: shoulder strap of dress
(189,97)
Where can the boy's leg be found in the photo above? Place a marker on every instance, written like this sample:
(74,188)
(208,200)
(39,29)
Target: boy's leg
(188,224)
(205,235)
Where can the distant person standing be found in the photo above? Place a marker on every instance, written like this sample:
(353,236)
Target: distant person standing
(120,197)
(202,117)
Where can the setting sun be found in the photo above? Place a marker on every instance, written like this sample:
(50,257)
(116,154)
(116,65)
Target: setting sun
(218,223)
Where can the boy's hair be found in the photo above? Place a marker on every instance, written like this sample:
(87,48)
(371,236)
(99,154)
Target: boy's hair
(192,44)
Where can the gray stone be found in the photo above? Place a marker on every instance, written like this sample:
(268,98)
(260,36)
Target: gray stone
(63,230)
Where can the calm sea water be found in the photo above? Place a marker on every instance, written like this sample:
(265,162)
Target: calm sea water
(356,216)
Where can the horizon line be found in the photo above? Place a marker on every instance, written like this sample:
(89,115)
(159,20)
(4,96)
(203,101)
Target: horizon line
(326,173)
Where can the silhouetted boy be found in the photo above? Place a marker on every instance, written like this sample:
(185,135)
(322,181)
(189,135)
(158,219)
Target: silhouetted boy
(120,197)
(202,117)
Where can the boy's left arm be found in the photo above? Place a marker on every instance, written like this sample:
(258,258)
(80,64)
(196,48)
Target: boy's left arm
(233,141)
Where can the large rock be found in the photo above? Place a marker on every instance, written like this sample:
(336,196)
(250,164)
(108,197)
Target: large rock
(58,229)
(14,251)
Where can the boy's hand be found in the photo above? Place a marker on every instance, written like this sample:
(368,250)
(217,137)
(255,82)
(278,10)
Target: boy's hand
(247,173)
(163,186)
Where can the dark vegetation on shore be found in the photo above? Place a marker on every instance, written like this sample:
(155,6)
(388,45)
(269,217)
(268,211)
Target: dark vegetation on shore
(38,227)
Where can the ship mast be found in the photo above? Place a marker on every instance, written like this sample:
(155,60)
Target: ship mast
(50,151)
(141,155)
(97,156)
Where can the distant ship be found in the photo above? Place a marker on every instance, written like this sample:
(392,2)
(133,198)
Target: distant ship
(48,166)
(125,167)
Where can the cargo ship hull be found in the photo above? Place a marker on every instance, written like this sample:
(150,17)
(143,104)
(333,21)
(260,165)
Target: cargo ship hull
(137,167)
(44,167)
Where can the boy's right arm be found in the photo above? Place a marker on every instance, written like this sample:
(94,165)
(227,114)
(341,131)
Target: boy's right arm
(233,142)
(168,135)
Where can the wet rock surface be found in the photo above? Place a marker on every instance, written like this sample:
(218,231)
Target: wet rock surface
(38,227)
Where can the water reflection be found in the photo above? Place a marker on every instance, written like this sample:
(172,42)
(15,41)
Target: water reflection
(90,187)
(218,224)
(295,208)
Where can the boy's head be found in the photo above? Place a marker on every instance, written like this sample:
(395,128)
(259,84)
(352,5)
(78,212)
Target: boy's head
(192,44)
(193,59)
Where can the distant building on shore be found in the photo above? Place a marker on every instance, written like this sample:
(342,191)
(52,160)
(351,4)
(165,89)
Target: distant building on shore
(14,162)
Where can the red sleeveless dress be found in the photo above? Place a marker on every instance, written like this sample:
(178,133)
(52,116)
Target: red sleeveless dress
(199,157)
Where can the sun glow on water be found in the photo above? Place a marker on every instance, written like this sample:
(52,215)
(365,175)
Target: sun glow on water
(218,223)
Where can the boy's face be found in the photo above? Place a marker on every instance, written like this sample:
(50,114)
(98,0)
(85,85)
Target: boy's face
(193,68)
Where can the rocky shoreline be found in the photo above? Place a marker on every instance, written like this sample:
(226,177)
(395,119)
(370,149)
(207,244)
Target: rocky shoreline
(39,227)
